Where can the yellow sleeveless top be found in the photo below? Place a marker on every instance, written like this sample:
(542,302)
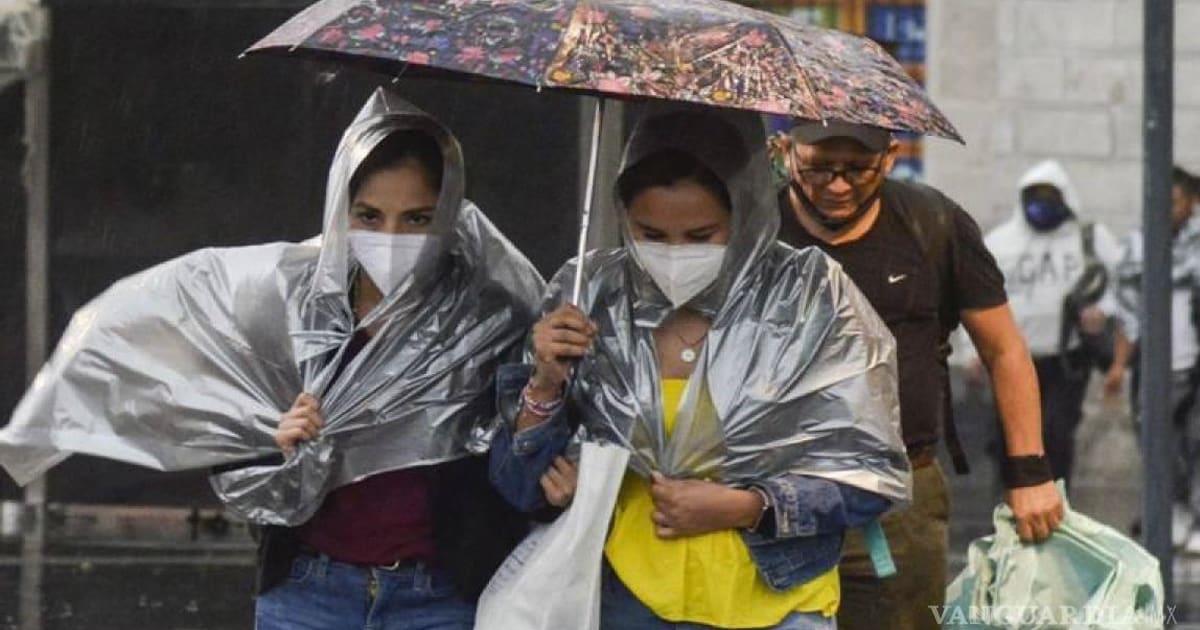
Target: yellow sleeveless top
(709,579)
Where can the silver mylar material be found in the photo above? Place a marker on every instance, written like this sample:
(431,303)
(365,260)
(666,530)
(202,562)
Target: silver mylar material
(798,373)
(191,363)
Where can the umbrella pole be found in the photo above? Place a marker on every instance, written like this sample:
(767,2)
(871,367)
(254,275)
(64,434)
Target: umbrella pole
(585,219)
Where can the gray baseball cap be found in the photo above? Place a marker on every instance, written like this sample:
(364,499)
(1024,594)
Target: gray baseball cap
(812,132)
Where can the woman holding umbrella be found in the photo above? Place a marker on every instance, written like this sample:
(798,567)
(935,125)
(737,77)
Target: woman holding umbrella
(752,383)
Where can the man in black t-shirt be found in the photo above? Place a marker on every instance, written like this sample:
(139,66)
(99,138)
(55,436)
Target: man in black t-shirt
(920,260)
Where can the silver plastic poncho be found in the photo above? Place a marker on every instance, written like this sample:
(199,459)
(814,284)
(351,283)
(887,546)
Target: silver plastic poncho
(798,373)
(191,363)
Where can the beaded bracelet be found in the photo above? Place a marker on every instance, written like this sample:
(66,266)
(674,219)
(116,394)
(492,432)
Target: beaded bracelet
(540,409)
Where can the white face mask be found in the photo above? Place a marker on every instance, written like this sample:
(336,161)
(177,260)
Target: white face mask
(681,271)
(387,258)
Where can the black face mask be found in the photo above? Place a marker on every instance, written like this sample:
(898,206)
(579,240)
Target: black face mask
(1043,212)
(835,224)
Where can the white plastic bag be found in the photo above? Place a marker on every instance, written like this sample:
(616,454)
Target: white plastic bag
(552,579)
(1087,575)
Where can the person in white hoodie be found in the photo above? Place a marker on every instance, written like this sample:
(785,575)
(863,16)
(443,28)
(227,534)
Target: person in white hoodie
(1185,346)
(1048,251)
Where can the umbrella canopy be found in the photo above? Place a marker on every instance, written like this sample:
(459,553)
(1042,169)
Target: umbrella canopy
(702,51)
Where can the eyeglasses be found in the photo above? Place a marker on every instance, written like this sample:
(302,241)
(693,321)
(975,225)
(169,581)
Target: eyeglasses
(854,175)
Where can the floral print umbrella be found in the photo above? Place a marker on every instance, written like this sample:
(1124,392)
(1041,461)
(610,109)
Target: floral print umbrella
(703,51)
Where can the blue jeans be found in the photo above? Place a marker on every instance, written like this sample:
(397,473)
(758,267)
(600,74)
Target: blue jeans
(321,594)
(620,609)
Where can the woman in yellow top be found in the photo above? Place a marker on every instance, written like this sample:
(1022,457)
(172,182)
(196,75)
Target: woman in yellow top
(752,383)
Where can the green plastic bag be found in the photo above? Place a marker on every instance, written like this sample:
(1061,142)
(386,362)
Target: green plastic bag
(1087,575)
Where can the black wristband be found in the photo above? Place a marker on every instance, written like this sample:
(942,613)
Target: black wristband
(1026,470)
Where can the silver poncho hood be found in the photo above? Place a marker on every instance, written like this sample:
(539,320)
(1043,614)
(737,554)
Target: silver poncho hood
(798,373)
(191,363)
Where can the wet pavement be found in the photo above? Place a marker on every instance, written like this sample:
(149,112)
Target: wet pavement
(107,568)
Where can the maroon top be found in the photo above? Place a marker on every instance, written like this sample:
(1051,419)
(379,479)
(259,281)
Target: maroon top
(383,519)
(378,521)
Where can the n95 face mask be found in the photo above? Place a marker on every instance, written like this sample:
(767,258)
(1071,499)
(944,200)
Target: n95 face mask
(681,271)
(387,258)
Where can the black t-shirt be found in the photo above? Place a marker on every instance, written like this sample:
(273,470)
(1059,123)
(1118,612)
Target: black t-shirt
(892,269)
